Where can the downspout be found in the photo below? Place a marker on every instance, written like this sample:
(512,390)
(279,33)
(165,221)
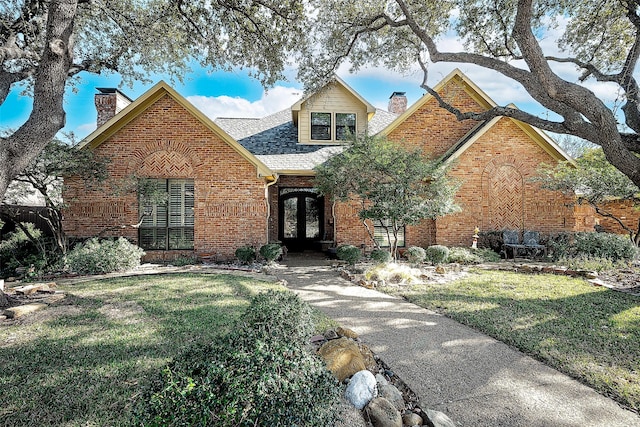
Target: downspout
(266,196)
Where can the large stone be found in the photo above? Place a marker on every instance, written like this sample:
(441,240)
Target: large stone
(346,332)
(382,413)
(342,357)
(361,389)
(392,394)
(412,419)
(438,419)
(368,357)
(22,310)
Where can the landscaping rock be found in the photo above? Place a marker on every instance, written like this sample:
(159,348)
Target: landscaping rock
(441,270)
(342,357)
(368,357)
(361,389)
(346,332)
(383,414)
(438,419)
(412,419)
(381,379)
(330,334)
(22,310)
(392,394)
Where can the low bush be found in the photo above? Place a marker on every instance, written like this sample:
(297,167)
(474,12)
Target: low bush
(271,251)
(590,263)
(490,240)
(349,253)
(261,374)
(246,254)
(437,254)
(96,256)
(380,256)
(591,245)
(185,260)
(415,254)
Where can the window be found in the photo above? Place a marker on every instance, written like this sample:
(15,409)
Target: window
(321,126)
(345,125)
(380,234)
(167,206)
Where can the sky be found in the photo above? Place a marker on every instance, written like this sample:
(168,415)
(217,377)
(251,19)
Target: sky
(235,94)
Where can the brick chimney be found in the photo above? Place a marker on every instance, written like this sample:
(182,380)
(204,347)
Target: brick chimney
(109,102)
(397,103)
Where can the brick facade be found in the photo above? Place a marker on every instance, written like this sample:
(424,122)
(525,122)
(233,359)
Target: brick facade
(167,141)
(236,202)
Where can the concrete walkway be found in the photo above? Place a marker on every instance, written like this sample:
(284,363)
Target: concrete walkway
(474,379)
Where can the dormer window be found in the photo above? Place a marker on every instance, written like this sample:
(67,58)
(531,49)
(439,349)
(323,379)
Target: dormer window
(345,125)
(323,128)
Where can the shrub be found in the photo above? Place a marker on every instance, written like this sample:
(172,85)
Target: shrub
(491,240)
(585,262)
(250,377)
(437,254)
(380,256)
(591,245)
(246,254)
(349,253)
(604,245)
(185,260)
(415,254)
(104,256)
(271,251)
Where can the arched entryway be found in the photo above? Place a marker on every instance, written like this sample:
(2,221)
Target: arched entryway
(301,221)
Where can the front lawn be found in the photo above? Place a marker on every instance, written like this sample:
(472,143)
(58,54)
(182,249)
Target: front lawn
(588,332)
(82,362)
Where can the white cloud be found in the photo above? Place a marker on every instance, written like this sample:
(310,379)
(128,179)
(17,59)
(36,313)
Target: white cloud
(276,99)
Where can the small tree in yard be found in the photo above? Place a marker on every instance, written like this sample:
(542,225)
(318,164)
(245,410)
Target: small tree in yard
(395,186)
(594,181)
(43,176)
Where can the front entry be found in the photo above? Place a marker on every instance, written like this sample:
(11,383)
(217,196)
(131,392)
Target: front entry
(301,218)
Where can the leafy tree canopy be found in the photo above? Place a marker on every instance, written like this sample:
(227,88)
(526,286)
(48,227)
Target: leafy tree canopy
(46,44)
(600,40)
(394,185)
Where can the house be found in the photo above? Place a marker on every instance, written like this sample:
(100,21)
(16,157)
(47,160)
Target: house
(234,182)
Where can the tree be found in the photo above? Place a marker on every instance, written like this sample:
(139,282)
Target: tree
(47,44)
(43,176)
(601,40)
(594,181)
(395,186)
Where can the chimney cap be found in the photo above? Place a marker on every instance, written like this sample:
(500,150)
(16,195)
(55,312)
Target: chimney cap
(397,94)
(111,90)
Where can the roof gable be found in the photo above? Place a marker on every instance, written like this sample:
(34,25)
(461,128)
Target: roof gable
(295,108)
(150,97)
(536,135)
(456,76)
(484,101)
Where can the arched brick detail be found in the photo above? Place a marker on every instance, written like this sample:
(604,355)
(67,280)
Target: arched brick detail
(503,194)
(165,164)
(156,158)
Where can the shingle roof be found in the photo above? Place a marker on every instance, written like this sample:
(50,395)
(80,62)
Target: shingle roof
(274,140)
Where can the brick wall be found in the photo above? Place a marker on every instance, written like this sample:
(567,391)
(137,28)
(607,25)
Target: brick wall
(495,173)
(166,141)
(623,210)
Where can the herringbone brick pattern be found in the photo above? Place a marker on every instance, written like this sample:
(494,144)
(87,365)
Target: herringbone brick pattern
(165,163)
(506,199)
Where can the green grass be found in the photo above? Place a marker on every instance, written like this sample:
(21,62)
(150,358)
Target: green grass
(82,362)
(590,333)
